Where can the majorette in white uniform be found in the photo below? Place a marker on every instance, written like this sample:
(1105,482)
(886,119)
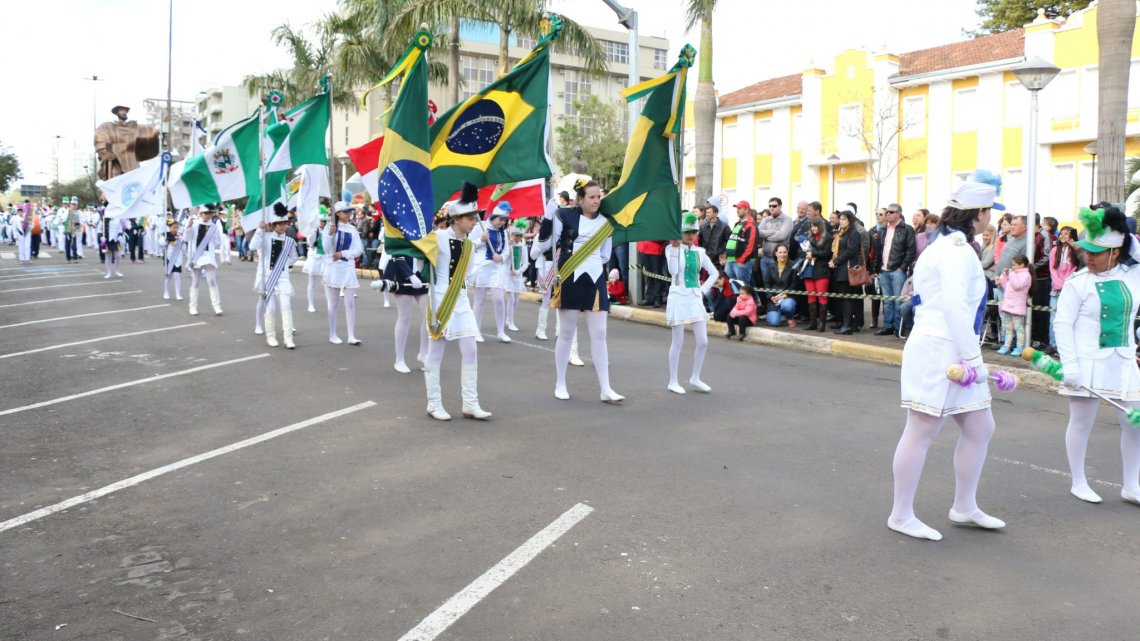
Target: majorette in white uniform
(342,245)
(516,263)
(950,296)
(449,313)
(315,258)
(203,238)
(112,245)
(172,260)
(686,304)
(489,274)
(1097,346)
(275,285)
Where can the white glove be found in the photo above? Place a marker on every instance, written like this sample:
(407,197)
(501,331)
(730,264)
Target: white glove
(805,245)
(415,281)
(1072,380)
(983,375)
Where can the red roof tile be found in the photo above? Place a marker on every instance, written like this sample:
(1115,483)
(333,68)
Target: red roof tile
(764,90)
(1001,46)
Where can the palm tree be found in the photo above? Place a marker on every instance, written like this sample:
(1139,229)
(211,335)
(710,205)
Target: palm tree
(1115,22)
(701,12)
(312,60)
(519,17)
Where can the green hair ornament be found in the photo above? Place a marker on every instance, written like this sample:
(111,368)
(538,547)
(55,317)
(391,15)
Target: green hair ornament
(1093,221)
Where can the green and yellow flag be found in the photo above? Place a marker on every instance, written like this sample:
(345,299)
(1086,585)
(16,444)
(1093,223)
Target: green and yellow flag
(405,195)
(499,135)
(646,204)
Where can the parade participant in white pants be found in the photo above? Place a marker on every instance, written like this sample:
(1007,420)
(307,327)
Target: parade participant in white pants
(580,287)
(545,269)
(172,260)
(405,274)
(488,277)
(686,304)
(275,285)
(112,245)
(450,317)
(1097,347)
(202,241)
(342,242)
(516,264)
(316,259)
(950,294)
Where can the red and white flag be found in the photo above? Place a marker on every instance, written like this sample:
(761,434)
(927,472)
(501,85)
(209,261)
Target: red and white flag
(527,197)
(366,159)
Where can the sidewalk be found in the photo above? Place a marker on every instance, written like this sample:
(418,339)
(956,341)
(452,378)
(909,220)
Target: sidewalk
(862,346)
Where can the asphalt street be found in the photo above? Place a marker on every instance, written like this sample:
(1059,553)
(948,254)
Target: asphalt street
(755,512)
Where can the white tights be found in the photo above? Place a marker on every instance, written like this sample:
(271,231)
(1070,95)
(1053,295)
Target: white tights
(332,294)
(700,333)
(404,306)
(969,456)
(599,353)
(111,259)
(468,350)
(211,276)
(512,305)
(1082,415)
(496,300)
(176,278)
(313,280)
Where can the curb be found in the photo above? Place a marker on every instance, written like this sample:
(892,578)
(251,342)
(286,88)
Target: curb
(1031,379)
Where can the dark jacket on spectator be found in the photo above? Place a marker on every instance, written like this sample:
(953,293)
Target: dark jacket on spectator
(713,237)
(800,229)
(902,250)
(774,279)
(850,250)
(821,250)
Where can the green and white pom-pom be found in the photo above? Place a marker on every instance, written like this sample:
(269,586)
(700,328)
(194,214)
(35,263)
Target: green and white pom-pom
(1093,221)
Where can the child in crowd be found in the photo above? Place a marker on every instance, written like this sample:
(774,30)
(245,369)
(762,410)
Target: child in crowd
(616,288)
(1013,307)
(743,314)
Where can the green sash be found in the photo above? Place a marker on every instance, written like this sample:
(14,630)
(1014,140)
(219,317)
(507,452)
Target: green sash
(437,321)
(566,271)
(1116,313)
(692,269)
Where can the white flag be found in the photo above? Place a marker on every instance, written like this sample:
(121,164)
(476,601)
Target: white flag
(314,184)
(136,193)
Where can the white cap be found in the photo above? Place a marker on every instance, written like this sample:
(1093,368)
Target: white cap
(972,195)
(342,206)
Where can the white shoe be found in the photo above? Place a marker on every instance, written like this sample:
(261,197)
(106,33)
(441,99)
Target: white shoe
(699,385)
(1085,493)
(439,414)
(675,388)
(312,310)
(561,394)
(258,331)
(119,274)
(512,327)
(613,397)
(916,529)
(1130,497)
(177,298)
(575,361)
(479,338)
(165,296)
(469,386)
(355,341)
(335,340)
(107,277)
(503,338)
(387,304)
(271,340)
(978,518)
(541,335)
(403,368)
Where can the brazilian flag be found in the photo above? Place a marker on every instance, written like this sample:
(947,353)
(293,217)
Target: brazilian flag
(405,193)
(646,204)
(498,135)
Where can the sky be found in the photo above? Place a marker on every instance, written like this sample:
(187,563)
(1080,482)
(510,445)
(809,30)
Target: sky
(51,46)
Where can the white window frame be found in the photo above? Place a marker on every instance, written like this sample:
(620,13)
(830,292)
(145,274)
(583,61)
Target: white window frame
(761,195)
(729,144)
(966,115)
(1066,99)
(921,200)
(576,88)
(1014,192)
(1055,205)
(478,72)
(913,121)
(763,136)
(797,131)
(844,115)
(1016,105)
(1090,98)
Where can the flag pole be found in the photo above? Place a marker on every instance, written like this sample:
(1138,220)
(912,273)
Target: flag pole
(332,152)
(264,214)
(165,168)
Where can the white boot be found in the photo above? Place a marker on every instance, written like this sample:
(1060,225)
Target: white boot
(543,314)
(270,325)
(193,301)
(216,300)
(469,377)
(575,360)
(287,326)
(434,395)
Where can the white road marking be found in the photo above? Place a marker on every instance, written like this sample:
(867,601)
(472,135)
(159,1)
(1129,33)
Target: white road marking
(468,597)
(11,278)
(62,318)
(1049,470)
(111,388)
(38,287)
(95,340)
(146,476)
(8,255)
(60,300)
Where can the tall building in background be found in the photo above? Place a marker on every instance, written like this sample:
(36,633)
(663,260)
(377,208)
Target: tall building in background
(220,107)
(70,159)
(183,113)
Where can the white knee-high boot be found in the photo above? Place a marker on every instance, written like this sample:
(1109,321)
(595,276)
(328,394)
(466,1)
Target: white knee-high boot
(287,326)
(270,329)
(193,301)
(543,315)
(216,300)
(469,376)
(434,394)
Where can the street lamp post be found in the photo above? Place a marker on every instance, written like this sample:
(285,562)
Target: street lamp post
(1090,149)
(831,161)
(1034,74)
(94,115)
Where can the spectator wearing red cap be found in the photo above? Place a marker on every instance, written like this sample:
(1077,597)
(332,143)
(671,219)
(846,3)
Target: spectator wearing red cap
(740,251)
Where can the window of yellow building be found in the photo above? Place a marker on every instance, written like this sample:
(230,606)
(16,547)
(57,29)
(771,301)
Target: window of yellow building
(913,122)
(764,136)
(729,144)
(1065,93)
(797,131)
(966,110)
(1016,104)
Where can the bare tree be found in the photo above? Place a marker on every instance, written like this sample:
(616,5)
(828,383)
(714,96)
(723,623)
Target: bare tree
(880,138)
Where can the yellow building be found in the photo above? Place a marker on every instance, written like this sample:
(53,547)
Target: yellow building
(875,128)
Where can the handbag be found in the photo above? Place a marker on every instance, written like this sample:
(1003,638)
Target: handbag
(803,268)
(857,276)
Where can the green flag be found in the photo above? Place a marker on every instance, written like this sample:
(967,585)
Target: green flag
(646,204)
(227,170)
(499,135)
(306,127)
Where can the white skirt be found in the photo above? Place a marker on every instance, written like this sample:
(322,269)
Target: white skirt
(925,387)
(516,284)
(462,322)
(1115,377)
(341,274)
(315,264)
(489,274)
(685,306)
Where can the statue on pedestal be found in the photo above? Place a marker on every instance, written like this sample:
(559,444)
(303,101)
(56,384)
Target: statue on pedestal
(122,144)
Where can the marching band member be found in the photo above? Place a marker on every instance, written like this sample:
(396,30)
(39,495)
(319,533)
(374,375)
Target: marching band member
(489,274)
(203,239)
(172,261)
(517,262)
(22,233)
(582,288)
(1096,344)
(686,303)
(542,253)
(406,275)
(112,243)
(950,299)
(275,286)
(316,259)
(342,242)
(450,316)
